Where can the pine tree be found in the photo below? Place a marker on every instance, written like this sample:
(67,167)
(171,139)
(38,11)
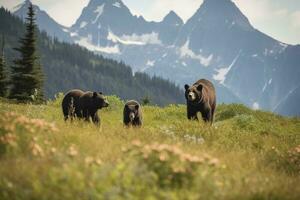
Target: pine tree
(27,77)
(3,72)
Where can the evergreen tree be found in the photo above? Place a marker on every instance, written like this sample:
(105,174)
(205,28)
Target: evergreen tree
(146,100)
(3,72)
(27,77)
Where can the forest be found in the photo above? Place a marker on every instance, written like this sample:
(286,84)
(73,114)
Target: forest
(67,66)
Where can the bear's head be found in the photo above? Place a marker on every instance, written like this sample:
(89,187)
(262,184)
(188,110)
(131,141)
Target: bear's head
(132,111)
(99,100)
(193,93)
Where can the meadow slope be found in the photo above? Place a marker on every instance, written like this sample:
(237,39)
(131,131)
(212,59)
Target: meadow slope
(246,154)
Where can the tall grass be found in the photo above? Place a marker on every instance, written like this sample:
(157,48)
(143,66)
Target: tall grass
(246,154)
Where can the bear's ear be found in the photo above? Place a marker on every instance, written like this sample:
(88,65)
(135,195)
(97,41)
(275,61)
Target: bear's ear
(199,87)
(186,86)
(94,94)
(100,93)
(137,107)
(126,106)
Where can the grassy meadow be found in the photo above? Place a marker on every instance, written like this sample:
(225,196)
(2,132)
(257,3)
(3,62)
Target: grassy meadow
(246,154)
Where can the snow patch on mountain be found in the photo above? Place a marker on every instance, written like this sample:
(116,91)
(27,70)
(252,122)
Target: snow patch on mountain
(265,87)
(86,42)
(270,81)
(148,38)
(222,72)
(83,24)
(285,97)
(117,4)
(73,34)
(186,52)
(283,45)
(99,11)
(150,63)
(114,38)
(17,7)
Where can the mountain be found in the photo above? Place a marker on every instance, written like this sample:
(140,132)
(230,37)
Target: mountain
(258,69)
(108,26)
(69,66)
(44,22)
(217,43)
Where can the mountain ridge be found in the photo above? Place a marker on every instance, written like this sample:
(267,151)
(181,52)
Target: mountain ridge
(218,43)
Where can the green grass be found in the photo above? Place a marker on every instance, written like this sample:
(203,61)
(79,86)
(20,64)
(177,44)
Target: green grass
(246,154)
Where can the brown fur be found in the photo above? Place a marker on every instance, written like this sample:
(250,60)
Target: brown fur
(132,107)
(84,104)
(204,102)
(70,104)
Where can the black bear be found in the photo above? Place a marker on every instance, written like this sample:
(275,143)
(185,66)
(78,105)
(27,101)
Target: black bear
(83,105)
(201,97)
(132,114)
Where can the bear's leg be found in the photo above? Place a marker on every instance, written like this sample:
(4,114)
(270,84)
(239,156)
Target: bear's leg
(206,115)
(191,113)
(66,117)
(213,113)
(86,115)
(96,119)
(137,122)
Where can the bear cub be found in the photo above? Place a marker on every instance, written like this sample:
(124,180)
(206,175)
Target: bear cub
(83,105)
(132,114)
(201,97)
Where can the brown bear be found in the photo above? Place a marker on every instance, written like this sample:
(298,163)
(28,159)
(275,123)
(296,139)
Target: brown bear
(201,97)
(77,103)
(132,114)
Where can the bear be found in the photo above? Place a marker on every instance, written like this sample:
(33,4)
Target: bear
(201,97)
(132,114)
(83,105)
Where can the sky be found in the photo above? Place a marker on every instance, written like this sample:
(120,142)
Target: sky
(279,19)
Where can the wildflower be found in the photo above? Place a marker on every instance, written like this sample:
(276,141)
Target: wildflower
(136,143)
(214,162)
(53,150)
(98,161)
(163,157)
(89,160)
(8,139)
(36,150)
(72,152)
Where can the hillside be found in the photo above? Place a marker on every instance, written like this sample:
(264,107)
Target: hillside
(246,154)
(69,66)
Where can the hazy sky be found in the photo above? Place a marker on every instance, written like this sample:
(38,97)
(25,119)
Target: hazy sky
(277,18)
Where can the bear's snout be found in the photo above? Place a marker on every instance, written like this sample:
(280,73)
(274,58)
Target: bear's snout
(191,96)
(131,116)
(106,103)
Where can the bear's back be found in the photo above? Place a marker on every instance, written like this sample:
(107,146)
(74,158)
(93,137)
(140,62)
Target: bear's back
(209,91)
(71,97)
(206,83)
(132,103)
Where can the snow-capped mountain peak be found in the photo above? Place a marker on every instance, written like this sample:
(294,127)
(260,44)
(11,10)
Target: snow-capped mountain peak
(44,21)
